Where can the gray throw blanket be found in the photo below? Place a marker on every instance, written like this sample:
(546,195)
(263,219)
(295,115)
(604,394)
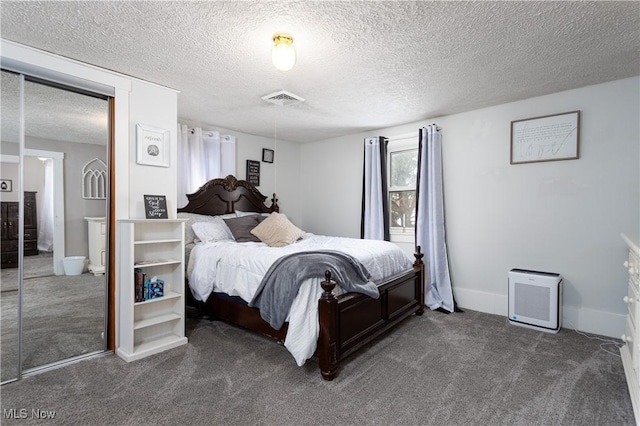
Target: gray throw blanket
(280,284)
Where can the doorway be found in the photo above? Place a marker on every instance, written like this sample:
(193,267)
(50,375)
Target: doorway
(54,310)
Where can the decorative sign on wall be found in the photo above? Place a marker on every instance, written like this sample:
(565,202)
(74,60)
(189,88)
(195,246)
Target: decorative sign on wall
(546,138)
(253,172)
(153,146)
(155,206)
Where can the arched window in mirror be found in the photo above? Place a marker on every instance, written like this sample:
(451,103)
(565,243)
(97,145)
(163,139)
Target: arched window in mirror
(94,180)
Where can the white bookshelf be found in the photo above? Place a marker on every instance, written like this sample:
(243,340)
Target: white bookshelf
(157,247)
(630,352)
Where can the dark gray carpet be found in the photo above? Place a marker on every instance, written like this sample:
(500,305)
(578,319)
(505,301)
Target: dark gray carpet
(63,317)
(34,266)
(459,369)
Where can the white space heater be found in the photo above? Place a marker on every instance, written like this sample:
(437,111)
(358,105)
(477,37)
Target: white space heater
(535,300)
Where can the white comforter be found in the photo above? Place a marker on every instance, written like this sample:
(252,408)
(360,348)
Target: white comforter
(237,269)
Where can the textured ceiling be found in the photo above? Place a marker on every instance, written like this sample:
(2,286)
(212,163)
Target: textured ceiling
(52,113)
(361,64)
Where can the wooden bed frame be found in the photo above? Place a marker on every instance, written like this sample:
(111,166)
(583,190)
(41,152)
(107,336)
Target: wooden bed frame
(348,321)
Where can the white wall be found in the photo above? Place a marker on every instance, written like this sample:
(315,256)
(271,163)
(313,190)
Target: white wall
(563,216)
(154,106)
(280,177)
(331,176)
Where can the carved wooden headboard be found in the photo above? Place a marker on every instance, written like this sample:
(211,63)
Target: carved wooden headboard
(221,196)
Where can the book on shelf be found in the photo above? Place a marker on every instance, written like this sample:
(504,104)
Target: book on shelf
(146,287)
(138,279)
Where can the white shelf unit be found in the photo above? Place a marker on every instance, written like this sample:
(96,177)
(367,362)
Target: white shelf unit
(97,232)
(630,352)
(155,325)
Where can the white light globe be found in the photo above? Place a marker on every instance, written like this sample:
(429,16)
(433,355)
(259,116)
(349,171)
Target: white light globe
(283,57)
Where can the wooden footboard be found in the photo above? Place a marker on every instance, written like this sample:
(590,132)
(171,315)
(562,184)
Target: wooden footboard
(352,320)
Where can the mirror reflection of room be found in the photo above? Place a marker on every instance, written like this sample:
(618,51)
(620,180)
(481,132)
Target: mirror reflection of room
(63,191)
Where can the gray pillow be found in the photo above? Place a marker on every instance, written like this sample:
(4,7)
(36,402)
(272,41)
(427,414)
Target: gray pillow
(241,227)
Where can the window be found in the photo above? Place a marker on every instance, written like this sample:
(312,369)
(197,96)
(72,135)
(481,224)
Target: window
(403,170)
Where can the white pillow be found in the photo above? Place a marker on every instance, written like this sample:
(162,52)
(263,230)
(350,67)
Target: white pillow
(277,231)
(215,230)
(189,235)
(241,214)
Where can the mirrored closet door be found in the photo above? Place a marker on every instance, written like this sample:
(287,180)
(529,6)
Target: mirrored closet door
(54,253)
(9,202)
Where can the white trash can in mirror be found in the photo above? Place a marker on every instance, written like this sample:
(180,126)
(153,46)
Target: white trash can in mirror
(73,265)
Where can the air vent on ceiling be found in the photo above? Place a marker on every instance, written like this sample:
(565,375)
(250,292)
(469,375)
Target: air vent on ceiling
(282,98)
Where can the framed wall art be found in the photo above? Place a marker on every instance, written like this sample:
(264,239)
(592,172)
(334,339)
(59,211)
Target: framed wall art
(6,185)
(267,155)
(152,146)
(546,138)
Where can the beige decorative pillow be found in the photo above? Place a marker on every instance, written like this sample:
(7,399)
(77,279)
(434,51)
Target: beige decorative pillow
(277,231)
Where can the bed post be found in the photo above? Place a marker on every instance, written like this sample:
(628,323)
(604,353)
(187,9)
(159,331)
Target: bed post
(327,342)
(420,265)
(274,204)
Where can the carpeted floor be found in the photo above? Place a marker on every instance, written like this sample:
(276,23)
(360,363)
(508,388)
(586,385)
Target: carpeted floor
(460,369)
(63,316)
(34,267)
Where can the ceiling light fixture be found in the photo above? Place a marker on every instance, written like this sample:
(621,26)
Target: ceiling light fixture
(283,54)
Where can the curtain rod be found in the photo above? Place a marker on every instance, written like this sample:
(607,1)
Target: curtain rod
(209,132)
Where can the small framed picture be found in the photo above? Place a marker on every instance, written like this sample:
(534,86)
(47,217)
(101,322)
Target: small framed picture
(6,185)
(267,155)
(155,206)
(152,145)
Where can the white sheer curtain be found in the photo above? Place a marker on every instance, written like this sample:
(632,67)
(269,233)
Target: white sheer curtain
(375,204)
(430,230)
(45,209)
(202,156)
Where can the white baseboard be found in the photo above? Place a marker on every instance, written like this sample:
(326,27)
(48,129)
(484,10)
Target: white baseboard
(482,301)
(578,318)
